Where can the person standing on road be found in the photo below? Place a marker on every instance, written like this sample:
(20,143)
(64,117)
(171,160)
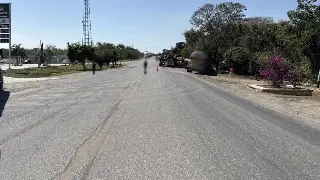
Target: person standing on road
(93,68)
(145,64)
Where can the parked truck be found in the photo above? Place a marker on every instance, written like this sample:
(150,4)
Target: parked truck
(201,63)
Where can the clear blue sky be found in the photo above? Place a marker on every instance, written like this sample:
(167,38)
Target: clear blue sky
(150,25)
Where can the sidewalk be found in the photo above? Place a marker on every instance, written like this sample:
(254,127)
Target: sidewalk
(13,80)
(6,66)
(20,84)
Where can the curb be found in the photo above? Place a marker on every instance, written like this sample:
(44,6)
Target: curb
(283,91)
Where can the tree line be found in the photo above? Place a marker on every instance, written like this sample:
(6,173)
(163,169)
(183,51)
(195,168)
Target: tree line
(102,53)
(245,44)
(19,50)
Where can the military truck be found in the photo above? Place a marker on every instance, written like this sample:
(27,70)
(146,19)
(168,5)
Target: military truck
(201,63)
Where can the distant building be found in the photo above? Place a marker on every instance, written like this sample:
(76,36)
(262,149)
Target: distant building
(55,59)
(35,60)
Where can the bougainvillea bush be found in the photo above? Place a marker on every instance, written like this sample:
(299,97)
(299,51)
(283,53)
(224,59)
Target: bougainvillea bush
(277,71)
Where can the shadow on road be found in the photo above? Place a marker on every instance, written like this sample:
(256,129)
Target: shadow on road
(4,96)
(213,74)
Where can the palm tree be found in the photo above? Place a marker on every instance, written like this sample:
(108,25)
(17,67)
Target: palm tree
(18,51)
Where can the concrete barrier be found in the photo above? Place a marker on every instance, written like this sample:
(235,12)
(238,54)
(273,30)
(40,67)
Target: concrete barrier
(298,91)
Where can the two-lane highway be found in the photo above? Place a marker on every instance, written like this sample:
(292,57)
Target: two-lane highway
(166,124)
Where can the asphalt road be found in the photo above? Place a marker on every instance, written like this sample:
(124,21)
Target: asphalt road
(122,124)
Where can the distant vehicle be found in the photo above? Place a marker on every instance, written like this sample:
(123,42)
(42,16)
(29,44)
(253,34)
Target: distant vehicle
(65,62)
(201,63)
(27,61)
(188,67)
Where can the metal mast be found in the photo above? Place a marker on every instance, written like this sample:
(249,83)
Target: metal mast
(87,36)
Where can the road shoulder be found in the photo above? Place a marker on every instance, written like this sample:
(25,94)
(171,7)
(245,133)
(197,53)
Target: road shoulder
(301,108)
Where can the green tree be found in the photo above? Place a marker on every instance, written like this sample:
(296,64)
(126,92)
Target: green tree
(18,51)
(177,50)
(239,58)
(107,52)
(101,55)
(211,17)
(73,52)
(86,52)
(306,23)
(216,26)
(49,52)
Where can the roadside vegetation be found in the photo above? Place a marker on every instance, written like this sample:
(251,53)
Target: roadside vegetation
(284,50)
(51,71)
(103,54)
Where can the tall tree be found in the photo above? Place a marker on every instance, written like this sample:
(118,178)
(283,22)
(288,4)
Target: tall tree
(216,26)
(18,50)
(73,52)
(49,52)
(210,16)
(306,18)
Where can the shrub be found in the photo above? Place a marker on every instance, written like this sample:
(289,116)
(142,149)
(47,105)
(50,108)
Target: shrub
(260,62)
(303,68)
(293,77)
(19,71)
(239,59)
(278,71)
(36,74)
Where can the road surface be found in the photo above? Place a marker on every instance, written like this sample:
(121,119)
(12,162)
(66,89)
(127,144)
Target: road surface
(122,124)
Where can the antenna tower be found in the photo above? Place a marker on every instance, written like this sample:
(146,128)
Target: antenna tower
(87,36)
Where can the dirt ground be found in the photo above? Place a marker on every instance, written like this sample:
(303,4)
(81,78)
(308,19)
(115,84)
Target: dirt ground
(302,108)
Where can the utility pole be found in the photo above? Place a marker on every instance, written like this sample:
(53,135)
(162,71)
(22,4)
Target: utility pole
(39,54)
(318,81)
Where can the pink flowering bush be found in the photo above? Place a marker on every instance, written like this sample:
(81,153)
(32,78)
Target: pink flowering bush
(277,71)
